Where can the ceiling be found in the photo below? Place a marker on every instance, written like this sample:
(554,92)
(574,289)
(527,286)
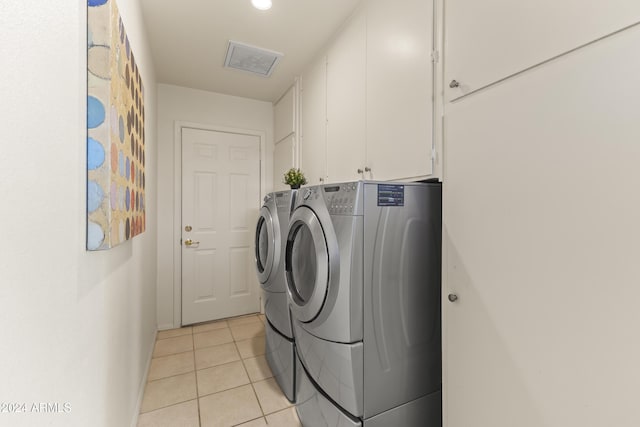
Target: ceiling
(189,40)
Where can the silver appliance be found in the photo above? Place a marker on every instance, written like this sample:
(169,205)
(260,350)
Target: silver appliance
(362,266)
(269,247)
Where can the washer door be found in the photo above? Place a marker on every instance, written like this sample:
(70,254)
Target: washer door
(306,264)
(267,245)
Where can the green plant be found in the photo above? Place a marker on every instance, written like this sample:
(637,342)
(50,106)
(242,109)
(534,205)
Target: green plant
(294,177)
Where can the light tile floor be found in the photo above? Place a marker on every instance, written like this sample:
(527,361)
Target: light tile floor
(214,374)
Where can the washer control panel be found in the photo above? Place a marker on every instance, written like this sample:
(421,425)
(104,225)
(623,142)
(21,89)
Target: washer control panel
(341,198)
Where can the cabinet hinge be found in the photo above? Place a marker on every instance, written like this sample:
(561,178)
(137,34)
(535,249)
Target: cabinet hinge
(435,56)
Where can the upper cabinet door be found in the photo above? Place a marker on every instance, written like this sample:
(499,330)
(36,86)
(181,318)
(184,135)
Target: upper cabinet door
(346,91)
(541,208)
(284,116)
(313,145)
(399,88)
(487,41)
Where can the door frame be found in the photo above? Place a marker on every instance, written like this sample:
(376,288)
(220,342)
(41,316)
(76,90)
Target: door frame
(177,199)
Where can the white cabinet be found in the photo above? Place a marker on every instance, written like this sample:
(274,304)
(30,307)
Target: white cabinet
(399,77)
(541,236)
(313,153)
(346,93)
(284,115)
(487,41)
(285,136)
(283,160)
(378,96)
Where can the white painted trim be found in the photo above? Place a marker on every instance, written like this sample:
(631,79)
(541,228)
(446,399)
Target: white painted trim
(143,383)
(177,198)
(298,121)
(438,91)
(165,326)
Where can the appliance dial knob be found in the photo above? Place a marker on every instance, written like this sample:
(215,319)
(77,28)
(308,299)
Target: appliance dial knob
(307,194)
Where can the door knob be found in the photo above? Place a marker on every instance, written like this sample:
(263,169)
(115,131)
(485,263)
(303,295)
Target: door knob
(453,297)
(190,242)
(454,84)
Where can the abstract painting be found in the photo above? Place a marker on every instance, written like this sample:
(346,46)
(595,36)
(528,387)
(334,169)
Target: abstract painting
(115,131)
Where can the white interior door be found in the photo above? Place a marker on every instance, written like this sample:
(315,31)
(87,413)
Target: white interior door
(220,201)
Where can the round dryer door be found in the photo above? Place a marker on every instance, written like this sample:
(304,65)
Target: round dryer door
(267,245)
(306,264)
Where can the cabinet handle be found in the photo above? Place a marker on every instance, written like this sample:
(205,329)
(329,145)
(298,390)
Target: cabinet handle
(367,169)
(454,84)
(321,179)
(453,297)
(360,170)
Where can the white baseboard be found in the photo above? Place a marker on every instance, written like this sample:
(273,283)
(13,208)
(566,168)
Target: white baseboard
(166,326)
(143,383)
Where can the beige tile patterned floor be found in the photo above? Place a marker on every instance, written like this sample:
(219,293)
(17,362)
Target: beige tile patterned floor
(214,374)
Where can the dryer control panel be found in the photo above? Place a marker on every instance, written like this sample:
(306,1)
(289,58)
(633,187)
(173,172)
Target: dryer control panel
(342,199)
(283,199)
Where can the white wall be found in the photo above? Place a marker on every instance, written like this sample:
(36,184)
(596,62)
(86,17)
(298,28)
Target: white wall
(78,327)
(194,106)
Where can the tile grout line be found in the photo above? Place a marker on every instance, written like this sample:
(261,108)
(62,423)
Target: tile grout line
(170,376)
(175,336)
(248,421)
(195,372)
(171,354)
(251,382)
(231,388)
(173,376)
(168,406)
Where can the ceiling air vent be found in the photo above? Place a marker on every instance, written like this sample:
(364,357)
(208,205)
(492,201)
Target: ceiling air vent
(250,58)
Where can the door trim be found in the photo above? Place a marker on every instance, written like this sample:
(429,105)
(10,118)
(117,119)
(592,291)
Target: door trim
(177,198)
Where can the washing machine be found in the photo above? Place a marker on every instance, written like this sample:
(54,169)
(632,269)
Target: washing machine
(269,256)
(362,267)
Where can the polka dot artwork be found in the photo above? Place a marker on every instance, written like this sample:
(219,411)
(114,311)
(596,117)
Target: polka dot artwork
(115,131)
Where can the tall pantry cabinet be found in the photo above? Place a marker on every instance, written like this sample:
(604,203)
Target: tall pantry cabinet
(285,134)
(541,208)
(346,92)
(313,122)
(400,95)
(376,108)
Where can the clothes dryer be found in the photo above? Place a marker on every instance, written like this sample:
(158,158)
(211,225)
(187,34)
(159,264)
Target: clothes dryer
(269,246)
(362,266)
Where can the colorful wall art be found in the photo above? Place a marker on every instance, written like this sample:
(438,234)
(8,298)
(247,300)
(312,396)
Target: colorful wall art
(115,131)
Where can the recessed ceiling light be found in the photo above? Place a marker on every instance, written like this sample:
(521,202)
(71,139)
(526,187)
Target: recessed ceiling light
(261,4)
